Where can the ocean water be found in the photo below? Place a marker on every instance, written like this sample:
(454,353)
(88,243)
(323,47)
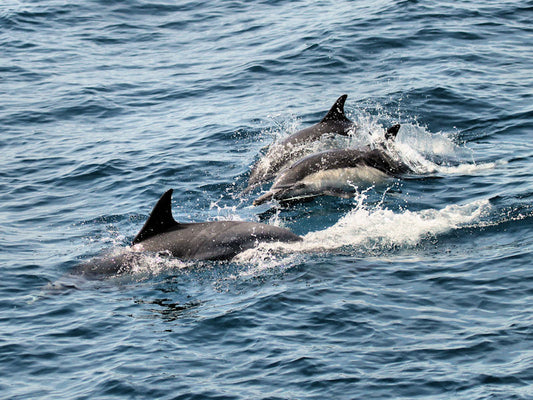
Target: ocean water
(416,288)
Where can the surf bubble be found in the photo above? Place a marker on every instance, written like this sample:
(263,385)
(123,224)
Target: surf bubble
(426,142)
(367,229)
(152,264)
(426,153)
(225,212)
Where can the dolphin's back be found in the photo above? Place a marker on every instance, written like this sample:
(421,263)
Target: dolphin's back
(333,172)
(345,158)
(293,147)
(335,121)
(217,240)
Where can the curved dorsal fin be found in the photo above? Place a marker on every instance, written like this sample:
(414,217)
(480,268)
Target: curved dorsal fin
(159,220)
(392,132)
(336,112)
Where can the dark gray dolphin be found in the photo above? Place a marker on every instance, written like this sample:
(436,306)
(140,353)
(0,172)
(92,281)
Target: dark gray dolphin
(335,172)
(293,147)
(217,240)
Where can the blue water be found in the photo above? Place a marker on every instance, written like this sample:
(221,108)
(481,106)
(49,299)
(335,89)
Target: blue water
(418,288)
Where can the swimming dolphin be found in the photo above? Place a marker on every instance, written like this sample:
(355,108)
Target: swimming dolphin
(217,240)
(288,150)
(335,172)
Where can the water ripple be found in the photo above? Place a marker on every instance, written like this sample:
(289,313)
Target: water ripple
(420,287)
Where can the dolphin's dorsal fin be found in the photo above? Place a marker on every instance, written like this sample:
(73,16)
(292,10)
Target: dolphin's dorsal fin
(336,112)
(392,132)
(159,220)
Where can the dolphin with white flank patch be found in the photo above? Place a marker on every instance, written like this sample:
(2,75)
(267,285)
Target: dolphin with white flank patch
(290,149)
(216,240)
(335,172)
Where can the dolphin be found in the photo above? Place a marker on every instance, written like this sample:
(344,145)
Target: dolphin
(335,172)
(293,147)
(216,240)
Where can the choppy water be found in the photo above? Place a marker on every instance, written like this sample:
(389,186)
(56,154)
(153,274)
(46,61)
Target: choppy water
(419,288)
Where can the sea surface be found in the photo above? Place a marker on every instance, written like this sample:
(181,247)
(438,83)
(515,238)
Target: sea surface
(416,288)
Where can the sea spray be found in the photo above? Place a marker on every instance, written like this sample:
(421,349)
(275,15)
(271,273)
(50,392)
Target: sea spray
(370,228)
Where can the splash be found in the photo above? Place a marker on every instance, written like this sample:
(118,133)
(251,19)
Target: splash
(430,153)
(225,212)
(149,264)
(423,151)
(367,229)
(370,228)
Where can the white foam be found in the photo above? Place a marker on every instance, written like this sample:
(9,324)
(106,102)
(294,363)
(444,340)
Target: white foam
(225,212)
(423,151)
(418,148)
(367,229)
(468,169)
(425,142)
(149,264)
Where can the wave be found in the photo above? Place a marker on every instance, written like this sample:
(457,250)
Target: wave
(428,153)
(365,230)
(368,229)
(425,152)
